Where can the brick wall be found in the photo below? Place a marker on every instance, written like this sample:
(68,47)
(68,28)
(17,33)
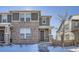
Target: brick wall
(16,35)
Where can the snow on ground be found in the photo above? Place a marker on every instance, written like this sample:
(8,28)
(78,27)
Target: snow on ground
(35,48)
(57,49)
(19,48)
(73,48)
(63,49)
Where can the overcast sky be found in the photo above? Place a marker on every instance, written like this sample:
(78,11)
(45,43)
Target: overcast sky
(46,10)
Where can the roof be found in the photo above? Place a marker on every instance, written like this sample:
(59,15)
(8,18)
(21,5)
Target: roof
(25,11)
(46,16)
(75,16)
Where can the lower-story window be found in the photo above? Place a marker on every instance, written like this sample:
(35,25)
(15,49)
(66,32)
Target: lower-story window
(25,33)
(22,36)
(28,36)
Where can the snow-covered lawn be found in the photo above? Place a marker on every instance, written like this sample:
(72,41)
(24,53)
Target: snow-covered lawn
(63,49)
(36,48)
(19,48)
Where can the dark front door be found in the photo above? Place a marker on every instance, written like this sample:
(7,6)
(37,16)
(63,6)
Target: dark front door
(1,35)
(42,35)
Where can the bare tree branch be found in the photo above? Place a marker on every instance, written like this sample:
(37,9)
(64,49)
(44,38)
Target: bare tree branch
(62,19)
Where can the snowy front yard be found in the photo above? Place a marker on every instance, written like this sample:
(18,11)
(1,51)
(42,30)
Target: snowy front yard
(36,48)
(19,48)
(65,49)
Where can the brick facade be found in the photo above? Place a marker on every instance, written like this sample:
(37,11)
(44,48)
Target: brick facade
(34,23)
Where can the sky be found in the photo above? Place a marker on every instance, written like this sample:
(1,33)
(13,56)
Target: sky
(53,11)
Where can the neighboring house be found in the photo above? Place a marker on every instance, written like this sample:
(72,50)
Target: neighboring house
(71,30)
(24,27)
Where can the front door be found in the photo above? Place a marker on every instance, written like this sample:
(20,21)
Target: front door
(42,35)
(1,35)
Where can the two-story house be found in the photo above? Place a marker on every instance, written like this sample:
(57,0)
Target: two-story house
(26,26)
(70,31)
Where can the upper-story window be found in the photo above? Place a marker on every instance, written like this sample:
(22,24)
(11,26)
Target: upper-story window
(22,17)
(4,18)
(25,17)
(76,24)
(66,26)
(34,16)
(28,17)
(43,20)
(67,36)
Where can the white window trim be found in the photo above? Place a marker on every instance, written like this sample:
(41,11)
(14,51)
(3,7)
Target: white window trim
(25,16)
(25,31)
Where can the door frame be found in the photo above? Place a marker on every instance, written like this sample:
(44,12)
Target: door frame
(41,35)
(2,35)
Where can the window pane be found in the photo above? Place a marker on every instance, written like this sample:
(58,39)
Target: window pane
(9,18)
(21,19)
(4,21)
(28,36)
(22,15)
(15,16)
(76,24)
(23,30)
(4,18)
(28,30)
(67,37)
(28,15)
(34,16)
(27,19)
(22,36)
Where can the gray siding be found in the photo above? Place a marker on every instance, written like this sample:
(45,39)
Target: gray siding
(0,18)
(15,16)
(34,16)
(47,22)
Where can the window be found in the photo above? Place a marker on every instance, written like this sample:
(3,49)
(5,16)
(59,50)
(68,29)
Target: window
(15,16)
(25,33)
(44,21)
(28,17)
(9,18)
(76,24)
(34,16)
(67,37)
(22,17)
(22,35)
(66,26)
(4,18)
(25,17)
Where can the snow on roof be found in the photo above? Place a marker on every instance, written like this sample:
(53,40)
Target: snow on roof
(75,17)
